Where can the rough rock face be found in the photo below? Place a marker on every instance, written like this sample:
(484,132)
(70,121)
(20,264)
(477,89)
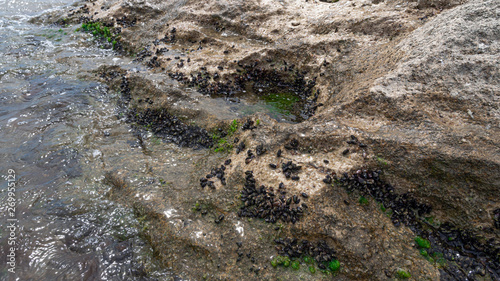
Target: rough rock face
(416,87)
(446,90)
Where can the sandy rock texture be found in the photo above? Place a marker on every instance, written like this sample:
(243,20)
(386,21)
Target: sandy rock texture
(417,85)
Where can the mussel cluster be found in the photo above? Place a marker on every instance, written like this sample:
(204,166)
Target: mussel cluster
(125,90)
(240,146)
(290,170)
(496,218)
(125,22)
(354,140)
(466,255)
(259,150)
(292,145)
(153,62)
(162,123)
(405,208)
(294,248)
(250,156)
(262,202)
(169,36)
(248,125)
(144,53)
(215,173)
(171,128)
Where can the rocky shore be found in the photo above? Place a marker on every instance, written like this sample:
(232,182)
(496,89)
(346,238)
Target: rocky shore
(386,164)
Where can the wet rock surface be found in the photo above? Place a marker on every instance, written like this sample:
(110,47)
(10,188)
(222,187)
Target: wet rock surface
(390,169)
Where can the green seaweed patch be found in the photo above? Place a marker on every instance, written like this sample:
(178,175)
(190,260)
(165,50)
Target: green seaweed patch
(221,139)
(439,259)
(196,207)
(331,267)
(282,102)
(382,207)
(422,242)
(233,127)
(363,201)
(100,31)
(280,260)
(308,260)
(312,269)
(221,144)
(381,161)
(402,274)
(334,265)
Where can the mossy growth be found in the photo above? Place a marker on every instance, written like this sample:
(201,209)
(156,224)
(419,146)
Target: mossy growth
(312,269)
(221,138)
(382,207)
(283,102)
(438,259)
(101,31)
(280,260)
(381,160)
(308,260)
(233,127)
(296,265)
(221,144)
(334,265)
(155,140)
(196,207)
(402,274)
(422,242)
(363,201)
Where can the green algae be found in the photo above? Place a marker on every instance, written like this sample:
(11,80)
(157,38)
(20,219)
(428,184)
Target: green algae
(402,274)
(334,265)
(422,242)
(282,102)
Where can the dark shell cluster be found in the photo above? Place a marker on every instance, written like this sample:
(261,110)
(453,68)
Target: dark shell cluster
(250,156)
(354,141)
(159,121)
(240,146)
(293,248)
(144,53)
(496,218)
(467,256)
(169,36)
(292,145)
(464,255)
(125,22)
(248,125)
(405,208)
(170,128)
(215,173)
(269,204)
(290,170)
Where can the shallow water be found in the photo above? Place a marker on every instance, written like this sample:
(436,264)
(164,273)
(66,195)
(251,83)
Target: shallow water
(55,123)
